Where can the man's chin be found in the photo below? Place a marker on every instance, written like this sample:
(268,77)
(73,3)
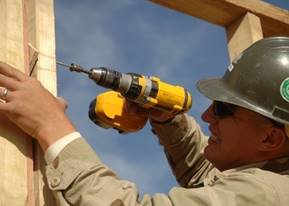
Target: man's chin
(215,158)
(207,152)
(210,154)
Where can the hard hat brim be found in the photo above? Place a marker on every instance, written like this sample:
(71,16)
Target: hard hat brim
(217,89)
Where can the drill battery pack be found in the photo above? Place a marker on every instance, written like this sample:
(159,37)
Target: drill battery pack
(108,110)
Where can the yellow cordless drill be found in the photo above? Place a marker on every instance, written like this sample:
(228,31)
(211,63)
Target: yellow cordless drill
(108,109)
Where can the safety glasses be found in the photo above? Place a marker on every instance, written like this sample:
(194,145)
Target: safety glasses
(222,109)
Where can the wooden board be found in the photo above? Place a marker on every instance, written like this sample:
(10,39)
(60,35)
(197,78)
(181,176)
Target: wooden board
(242,33)
(15,147)
(42,39)
(22,163)
(274,20)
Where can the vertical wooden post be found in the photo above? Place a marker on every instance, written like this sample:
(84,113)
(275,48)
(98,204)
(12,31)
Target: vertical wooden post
(42,38)
(242,33)
(15,146)
(23,23)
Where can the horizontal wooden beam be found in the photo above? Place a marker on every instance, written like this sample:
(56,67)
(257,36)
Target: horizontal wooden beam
(274,20)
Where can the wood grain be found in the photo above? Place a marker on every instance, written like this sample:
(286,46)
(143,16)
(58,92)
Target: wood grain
(242,33)
(42,41)
(275,20)
(14,144)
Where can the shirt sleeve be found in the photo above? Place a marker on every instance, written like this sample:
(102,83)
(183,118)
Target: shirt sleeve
(78,177)
(53,150)
(184,143)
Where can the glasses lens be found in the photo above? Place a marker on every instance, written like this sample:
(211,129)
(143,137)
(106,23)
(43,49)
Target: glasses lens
(222,109)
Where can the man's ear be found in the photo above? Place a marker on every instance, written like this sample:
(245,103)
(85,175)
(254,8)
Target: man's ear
(274,139)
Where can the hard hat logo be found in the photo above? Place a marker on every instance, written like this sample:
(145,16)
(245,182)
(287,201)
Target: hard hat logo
(284,89)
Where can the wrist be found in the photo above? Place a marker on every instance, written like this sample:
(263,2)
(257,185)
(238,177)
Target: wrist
(50,133)
(54,149)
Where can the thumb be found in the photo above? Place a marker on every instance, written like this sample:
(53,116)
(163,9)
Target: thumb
(62,102)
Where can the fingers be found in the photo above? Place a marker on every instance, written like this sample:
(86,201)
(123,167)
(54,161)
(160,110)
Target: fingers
(5,107)
(134,108)
(10,78)
(9,83)
(3,93)
(6,95)
(160,116)
(10,71)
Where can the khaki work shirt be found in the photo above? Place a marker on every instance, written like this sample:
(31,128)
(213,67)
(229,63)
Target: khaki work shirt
(78,177)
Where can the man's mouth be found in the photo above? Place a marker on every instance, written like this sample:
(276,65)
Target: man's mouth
(213,140)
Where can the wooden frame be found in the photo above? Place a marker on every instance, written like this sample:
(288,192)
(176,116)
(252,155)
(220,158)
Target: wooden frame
(27,40)
(245,21)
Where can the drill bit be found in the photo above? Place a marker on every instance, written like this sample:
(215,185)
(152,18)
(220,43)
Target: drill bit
(74,67)
(62,64)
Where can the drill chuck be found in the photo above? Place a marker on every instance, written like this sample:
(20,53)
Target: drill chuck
(111,79)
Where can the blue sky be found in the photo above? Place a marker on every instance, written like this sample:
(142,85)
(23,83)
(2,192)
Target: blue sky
(140,37)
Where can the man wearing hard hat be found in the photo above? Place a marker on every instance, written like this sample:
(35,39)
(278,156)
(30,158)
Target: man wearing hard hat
(244,162)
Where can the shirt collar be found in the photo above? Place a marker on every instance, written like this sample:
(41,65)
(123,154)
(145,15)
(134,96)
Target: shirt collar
(279,165)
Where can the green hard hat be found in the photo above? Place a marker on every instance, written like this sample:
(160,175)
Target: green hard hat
(258,79)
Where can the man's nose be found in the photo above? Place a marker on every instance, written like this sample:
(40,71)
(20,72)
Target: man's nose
(208,115)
